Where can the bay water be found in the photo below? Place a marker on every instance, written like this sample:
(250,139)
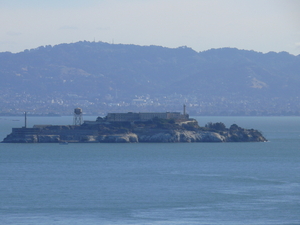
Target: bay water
(153,183)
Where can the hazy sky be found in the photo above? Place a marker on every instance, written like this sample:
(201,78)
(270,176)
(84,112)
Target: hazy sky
(259,25)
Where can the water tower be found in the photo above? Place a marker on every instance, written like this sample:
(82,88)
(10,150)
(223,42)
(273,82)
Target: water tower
(77,120)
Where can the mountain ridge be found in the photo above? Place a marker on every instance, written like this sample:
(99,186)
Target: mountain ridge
(99,73)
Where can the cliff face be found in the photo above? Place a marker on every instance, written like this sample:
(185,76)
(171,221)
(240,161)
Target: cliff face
(201,136)
(117,133)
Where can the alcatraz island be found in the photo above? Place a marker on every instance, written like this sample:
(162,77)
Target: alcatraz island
(131,127)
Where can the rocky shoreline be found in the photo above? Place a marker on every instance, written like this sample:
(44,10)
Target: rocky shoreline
(155,131)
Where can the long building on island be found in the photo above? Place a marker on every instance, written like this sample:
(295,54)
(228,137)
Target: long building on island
(144,116)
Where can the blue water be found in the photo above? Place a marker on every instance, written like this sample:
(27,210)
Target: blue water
(180,183)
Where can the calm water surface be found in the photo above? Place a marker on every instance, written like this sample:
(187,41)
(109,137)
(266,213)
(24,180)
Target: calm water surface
(180,183)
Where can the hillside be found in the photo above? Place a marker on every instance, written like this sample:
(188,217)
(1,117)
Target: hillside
(102,77)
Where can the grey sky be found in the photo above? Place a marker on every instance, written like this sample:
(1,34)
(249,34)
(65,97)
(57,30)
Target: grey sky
(259,25)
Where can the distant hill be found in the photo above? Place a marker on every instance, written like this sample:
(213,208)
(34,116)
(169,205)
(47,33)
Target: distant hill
(97,72)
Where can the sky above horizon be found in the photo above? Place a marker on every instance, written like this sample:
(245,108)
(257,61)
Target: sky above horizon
(259,25)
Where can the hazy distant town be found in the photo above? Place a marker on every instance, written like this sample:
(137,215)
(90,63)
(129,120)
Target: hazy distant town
(196,106)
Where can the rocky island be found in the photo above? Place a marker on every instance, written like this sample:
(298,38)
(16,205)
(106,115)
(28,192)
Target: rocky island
(133,128)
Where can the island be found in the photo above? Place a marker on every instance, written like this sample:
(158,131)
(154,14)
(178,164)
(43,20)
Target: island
(142,127)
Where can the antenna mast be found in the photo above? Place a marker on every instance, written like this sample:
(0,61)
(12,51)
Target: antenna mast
(25,119)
